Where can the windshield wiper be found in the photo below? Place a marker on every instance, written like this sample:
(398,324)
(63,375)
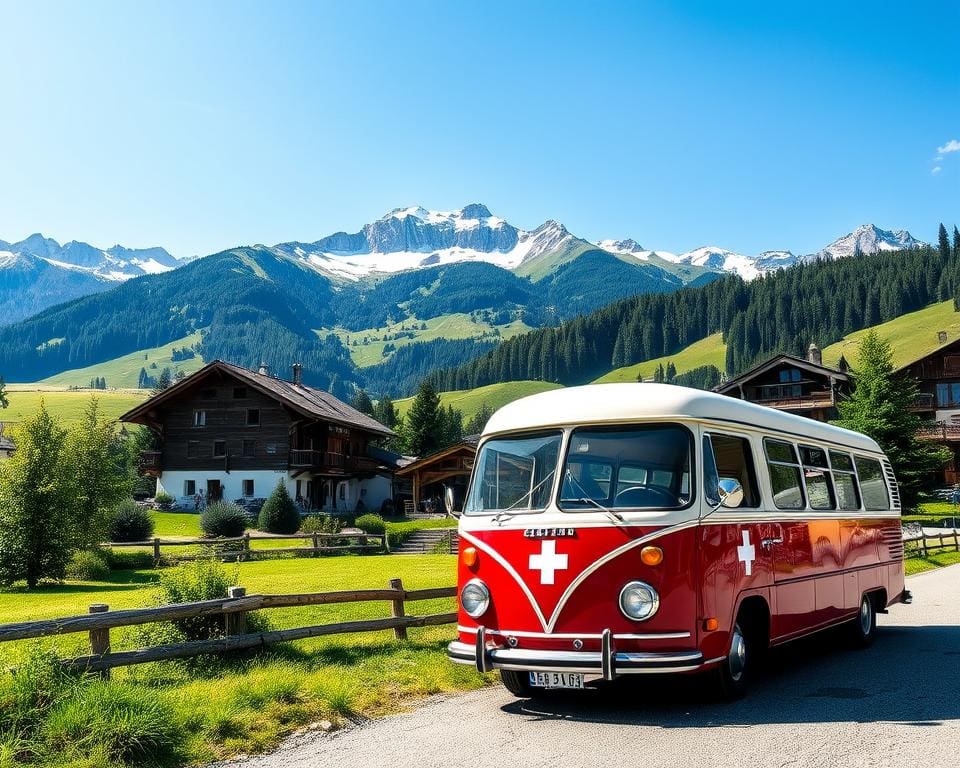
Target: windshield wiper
(615,516)
(503,515)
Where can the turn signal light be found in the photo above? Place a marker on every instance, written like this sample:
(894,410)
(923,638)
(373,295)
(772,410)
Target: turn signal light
(710,625)
(651,555)
(469,557)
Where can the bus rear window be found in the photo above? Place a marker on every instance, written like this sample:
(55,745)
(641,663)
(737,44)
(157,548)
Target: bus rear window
(872,487)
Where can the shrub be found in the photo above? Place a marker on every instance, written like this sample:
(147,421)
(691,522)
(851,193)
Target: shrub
(371,524)
(320,524)
(88,565)
(279,513)
(163,498)
(223,519)
(193,582)
(128,522)
(128,561)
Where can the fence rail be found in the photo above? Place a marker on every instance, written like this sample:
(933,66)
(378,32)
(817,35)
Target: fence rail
(922,542)
(356,542)
(234,610)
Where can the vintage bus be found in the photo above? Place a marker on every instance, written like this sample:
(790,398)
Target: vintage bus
(623,529)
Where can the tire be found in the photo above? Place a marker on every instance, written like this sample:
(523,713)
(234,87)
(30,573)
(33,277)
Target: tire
(518,683)
(863,628)
(736,671)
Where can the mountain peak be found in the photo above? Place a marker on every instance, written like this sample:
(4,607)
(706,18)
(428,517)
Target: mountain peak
(867,239)
(475,211)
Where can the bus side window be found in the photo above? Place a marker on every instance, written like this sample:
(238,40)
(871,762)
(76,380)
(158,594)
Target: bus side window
(872,485)
(711,478)
(784,474)
(845,481)
(816,475)
(733,459)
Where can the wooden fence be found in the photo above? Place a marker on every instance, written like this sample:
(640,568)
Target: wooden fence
(234,610)
(239,546)
(923,542)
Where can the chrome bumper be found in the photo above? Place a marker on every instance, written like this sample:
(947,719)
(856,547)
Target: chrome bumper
(607,663)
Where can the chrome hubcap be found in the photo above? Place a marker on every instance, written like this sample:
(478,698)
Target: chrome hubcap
(737,659)
(865,618)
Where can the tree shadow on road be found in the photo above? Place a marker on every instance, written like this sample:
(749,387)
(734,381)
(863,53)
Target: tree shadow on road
(910,675)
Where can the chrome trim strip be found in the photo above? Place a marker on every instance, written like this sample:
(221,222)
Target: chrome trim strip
(575,635)
(500,656)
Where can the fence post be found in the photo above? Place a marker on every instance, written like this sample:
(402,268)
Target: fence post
(400,633)
(245,554)
(100,638)
(316,544)
(156,549)
(236,623)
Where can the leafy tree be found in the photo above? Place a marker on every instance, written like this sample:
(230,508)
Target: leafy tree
(424,422)
(35,504)
(279,513)
(943,242)
(4,402)
(96,462)
(362,402)
(880,407)
(479,420)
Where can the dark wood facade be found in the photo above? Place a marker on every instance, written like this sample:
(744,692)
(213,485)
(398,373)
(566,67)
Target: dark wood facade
(449,467)
(787,383)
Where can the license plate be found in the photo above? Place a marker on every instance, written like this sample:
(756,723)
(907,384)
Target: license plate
(556,679)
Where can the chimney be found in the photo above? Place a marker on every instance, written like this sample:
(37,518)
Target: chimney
(814,355)
(941,337)
(264,369)
(298,374)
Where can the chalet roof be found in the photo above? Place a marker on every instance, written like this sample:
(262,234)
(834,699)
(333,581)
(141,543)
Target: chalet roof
(470,442)
(776,360)
(935,351)
(308,401)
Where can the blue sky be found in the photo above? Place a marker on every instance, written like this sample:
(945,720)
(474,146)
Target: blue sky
(198,126)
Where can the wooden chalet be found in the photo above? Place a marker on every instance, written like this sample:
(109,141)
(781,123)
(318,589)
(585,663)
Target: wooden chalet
(7,446)
(938,376)
(234,433)
(787,383)
(432,474)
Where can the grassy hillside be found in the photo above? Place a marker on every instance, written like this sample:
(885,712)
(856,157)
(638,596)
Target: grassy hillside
(123,372)
(67,405)
(708,351)
(469,401)
(911,336)
(366,346)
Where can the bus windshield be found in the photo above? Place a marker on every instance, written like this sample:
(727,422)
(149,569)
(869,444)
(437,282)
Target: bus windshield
(644,467)
(514,474)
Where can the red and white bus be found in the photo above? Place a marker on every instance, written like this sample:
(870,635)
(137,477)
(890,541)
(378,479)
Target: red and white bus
(624,529)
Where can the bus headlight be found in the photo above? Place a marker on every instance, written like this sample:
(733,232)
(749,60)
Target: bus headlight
(475,598)
(639,601)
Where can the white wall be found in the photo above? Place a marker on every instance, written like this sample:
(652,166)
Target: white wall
(264,481)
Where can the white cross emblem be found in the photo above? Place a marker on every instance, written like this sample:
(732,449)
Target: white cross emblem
(548,561)
(746,553)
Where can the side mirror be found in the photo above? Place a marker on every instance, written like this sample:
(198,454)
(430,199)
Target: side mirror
(448,502)
(730,492)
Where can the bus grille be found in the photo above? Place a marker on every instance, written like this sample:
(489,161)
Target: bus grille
(892,483)
(893,538)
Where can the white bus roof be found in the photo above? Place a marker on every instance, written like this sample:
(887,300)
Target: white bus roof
(612,403)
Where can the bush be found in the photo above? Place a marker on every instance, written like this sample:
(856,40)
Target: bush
(320,524)
(163,498)
(129,561)
(193,582)
(223,519)
(128,522)
(88,565)
(371,524)
(279,514)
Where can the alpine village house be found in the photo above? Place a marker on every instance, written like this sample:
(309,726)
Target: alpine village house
(227,432)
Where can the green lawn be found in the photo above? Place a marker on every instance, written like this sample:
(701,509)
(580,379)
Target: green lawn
(469,401)
(67,405)
(124,371)
(911,336)
(920,564)
(222,707)
(366,346)
(708,351)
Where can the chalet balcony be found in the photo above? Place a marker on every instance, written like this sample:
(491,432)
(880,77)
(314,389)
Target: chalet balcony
(941,432)
(925,402)
(150,462)
(328,461)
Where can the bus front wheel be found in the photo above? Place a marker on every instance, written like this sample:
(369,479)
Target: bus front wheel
(735,672)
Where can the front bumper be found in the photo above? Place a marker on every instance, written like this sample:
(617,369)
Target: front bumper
(607,663)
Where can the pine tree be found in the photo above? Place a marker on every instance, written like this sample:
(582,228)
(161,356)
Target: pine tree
(163,382)
(278,513)
(479,420)
(671,371)
(423,422)
(96,463)
(4,402)
(943,242)
(880,407)
(35,504)
(956,242)
(385,412)
(362,402)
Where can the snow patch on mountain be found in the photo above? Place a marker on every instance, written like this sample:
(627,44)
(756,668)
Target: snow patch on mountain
(867,239)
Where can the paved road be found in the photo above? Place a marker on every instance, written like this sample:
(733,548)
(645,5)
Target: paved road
(895,704)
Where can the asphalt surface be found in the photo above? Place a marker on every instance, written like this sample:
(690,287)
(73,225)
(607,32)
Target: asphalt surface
(817,704)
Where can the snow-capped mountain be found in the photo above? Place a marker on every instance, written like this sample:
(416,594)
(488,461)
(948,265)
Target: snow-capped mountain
(409,238)
(116,263)
(867,239)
